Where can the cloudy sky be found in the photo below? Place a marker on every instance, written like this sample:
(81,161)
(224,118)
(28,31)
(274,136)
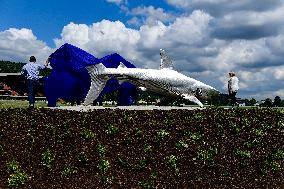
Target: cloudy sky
(204,38)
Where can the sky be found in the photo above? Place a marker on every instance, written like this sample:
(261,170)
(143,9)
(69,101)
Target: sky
(205,38)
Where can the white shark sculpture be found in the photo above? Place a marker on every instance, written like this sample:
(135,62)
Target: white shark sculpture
(165,81)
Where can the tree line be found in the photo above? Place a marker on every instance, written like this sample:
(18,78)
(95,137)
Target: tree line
(16,67)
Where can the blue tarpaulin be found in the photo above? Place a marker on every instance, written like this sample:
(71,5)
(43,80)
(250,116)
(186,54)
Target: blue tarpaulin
(69,79)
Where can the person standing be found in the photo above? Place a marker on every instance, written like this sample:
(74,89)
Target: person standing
(31,72)
(233,87)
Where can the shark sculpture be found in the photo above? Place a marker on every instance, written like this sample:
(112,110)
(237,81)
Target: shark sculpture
(165,81)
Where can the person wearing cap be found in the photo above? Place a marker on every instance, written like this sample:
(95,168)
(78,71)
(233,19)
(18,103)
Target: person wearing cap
(233,87)
(31,73)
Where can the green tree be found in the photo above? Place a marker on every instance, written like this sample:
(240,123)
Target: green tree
(267,103)
(252,102)
(277,101)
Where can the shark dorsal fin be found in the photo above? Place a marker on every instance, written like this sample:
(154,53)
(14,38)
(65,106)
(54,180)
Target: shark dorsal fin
(166,61)
(121,65)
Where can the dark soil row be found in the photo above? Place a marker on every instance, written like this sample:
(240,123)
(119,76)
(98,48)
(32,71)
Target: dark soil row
(212,148)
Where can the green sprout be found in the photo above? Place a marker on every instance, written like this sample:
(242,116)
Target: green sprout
(172,161)
(279,154)
(17,179)
(47,158)
(69,170)
(181,144)
(138,132)
(102,150)
(103,165)
(82,157)
(162,133)
(87,134)
(207,155)
(12,166)
(111,130)
(243,153)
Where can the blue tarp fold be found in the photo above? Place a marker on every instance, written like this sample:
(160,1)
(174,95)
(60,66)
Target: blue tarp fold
(69,79)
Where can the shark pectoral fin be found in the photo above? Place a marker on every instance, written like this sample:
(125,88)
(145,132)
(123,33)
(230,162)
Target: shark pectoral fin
(192,99)
(98,82)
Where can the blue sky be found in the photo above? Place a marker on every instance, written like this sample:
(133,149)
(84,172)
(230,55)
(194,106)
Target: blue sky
(47,18)
(206,39)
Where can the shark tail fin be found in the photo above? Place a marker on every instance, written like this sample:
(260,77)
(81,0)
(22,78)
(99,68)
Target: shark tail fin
(98,82)
(166,61)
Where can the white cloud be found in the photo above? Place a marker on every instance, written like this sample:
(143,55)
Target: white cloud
(151,15)
(101,38)
(19,44)
(74,33)
(220,7)
(242,53)
(278,73)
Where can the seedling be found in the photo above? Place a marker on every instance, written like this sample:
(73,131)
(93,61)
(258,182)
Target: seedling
(87,134)
(69,170)
(243,153)
(47,158)
(107,180)
(154,175)
(196,136)
(102,150)
(279,154)
(127,140)
(198,117)
(17,179)
(226,173)
(50,128)
(269,164)
(181,144)
(147,185)
(147,148)
(141,165)
(111,130)
(259,132)
(82,157)
(162,133)
(103,165)
(172,161)
(12,166)
(207,155)
(138,132)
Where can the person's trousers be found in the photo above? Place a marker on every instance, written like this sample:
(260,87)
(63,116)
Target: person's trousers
(232,96)
(32,88)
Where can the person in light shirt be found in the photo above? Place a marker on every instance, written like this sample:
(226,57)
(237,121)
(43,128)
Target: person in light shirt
(31,72)
(233,87)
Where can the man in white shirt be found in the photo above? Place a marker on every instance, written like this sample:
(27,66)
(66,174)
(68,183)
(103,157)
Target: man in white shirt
(233,87)
(31,72)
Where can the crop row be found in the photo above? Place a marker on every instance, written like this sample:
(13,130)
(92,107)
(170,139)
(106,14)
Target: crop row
(211,148)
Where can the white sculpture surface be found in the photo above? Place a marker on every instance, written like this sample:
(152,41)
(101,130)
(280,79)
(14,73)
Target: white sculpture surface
(165,81)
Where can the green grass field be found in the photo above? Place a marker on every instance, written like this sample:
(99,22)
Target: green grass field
(4,104)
